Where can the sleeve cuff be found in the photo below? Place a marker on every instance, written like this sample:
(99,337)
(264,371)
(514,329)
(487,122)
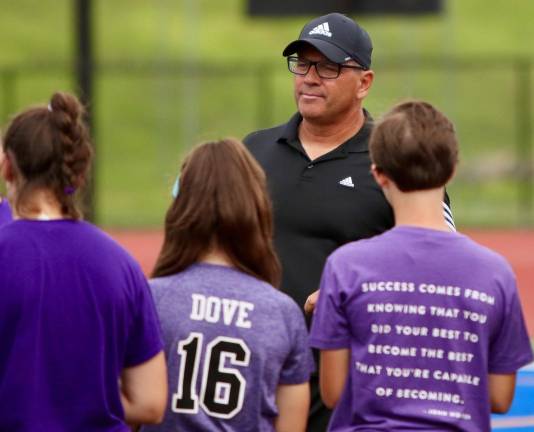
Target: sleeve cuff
(512,367)
(329,343)
(143,356)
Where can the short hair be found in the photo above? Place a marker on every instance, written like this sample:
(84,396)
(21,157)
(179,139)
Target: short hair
(415,145)
(223,201)
(49,148)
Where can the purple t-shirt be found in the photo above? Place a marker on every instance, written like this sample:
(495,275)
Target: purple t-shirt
(427,316)
(5,212)
(230,339)
(76,310)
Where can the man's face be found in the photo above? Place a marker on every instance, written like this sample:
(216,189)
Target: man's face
(323,100)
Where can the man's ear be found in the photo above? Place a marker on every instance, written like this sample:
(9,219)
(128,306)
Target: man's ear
(380,177)
(366,81)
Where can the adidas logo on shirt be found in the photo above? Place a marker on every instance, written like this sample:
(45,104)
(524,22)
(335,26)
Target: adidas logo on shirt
(322,29)
(347,182)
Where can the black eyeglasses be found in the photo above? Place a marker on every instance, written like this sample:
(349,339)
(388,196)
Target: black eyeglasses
(324,68)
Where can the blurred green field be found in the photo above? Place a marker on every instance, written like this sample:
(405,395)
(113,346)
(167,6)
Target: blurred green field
(172,73)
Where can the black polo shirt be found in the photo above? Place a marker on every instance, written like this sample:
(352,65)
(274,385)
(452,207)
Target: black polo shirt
(318,205)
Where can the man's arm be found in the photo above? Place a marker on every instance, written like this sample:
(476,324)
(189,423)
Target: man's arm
(334,370)
(293,402)
(501,390)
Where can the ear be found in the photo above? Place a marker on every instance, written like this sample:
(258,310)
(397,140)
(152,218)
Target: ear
(366,81)
(6,168)
(382,180)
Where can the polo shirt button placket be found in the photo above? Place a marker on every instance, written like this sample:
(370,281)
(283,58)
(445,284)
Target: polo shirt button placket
(306,173)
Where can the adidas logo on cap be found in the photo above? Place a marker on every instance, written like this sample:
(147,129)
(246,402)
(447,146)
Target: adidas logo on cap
(322,29)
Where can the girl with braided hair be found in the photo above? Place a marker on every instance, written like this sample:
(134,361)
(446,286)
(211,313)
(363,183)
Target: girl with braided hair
(81,345)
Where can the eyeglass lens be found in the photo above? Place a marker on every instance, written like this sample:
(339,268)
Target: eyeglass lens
(325,69)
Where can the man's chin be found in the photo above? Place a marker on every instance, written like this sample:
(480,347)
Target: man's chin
(310,111)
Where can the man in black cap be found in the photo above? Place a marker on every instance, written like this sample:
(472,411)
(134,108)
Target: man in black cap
(317,164)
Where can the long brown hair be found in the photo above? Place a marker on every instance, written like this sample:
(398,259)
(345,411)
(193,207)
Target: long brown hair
(223,201)
(49,148)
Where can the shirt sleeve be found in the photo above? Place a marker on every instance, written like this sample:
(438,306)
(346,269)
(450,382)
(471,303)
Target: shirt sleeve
(144,338)
(330,328)
(510,348)
(299,364)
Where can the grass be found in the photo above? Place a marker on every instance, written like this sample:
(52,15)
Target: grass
(146,119)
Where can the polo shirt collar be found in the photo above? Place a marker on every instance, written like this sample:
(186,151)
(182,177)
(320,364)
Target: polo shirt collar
(358,143)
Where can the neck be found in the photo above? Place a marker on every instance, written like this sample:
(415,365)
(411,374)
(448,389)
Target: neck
(216,256)
(42,204)
(420,208)
(319,138)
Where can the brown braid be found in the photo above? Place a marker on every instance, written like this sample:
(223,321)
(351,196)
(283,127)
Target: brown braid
(51,149)
(72,136)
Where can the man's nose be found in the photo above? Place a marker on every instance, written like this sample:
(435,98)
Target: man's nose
(312,76)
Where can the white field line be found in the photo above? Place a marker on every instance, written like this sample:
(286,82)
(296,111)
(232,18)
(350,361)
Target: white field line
(512,422)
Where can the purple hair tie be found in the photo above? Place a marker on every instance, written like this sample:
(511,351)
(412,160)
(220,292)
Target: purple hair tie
(69,190)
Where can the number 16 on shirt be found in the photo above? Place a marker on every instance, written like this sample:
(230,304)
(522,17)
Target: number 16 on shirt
(223,388)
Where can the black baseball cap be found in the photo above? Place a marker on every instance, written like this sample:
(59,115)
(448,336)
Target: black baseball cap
(337,37)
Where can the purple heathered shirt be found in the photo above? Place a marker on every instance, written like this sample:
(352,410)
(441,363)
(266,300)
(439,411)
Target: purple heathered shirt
(254,336)
(5,212)
(427,316)
(76,310)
